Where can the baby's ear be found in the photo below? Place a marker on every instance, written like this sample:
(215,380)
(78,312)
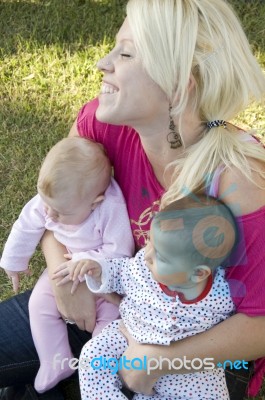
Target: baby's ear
(200,273)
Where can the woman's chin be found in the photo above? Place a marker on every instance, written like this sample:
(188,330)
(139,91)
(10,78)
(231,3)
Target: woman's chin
(102,115)
(107,116)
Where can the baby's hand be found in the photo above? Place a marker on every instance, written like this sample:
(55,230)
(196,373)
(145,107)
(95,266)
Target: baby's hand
(14,277)
(65,272)
(89,267)
(75,271)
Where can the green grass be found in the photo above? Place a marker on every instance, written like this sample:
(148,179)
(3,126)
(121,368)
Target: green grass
(48,54)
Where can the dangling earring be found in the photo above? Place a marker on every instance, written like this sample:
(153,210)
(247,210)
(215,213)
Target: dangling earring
(173,137)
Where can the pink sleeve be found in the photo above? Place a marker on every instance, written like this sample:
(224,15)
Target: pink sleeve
(24,236)
(87,124)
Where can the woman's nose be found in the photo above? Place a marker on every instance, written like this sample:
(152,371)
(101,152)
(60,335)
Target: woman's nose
(105,64)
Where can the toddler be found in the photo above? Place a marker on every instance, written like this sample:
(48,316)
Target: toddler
(83,206)
(173,288)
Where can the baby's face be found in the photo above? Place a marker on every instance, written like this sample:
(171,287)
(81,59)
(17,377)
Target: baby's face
(167,265)
(68,210)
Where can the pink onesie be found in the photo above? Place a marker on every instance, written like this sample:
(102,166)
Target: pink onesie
(105,233)
(142,192)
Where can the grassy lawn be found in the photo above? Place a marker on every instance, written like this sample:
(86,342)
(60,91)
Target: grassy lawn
(48,54)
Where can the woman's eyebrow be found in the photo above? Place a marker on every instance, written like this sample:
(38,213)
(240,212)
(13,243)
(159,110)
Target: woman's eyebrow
(123,39)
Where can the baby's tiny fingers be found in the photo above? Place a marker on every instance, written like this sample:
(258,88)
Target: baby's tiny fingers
(74,286)
(57,275)
(63,281)
(64,272)
(15,282)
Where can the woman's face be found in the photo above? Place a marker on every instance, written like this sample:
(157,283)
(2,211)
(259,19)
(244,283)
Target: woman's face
(128,95)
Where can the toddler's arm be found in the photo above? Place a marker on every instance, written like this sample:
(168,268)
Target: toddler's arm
(102,275)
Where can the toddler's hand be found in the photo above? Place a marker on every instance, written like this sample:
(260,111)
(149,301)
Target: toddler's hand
(83,267)
(89,267)
(75,271)
(14,277)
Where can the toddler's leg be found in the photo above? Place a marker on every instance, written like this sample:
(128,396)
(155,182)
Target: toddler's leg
(106,312)
(163,391)
(50,336)
(156,396)
(206,385)
(98,375)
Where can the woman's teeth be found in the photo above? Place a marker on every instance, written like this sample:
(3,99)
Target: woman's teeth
(108,89)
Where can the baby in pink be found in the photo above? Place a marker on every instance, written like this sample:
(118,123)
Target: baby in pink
(84,208)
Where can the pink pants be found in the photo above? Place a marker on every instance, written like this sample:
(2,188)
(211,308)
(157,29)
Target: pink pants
(50,335)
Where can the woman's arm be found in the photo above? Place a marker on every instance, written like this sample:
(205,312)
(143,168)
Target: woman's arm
(238,338)
(79,307)
(74,130)
(240,194)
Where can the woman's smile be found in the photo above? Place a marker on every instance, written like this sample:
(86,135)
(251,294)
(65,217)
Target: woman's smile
(107,88)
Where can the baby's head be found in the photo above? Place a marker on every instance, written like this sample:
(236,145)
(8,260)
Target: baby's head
(189,239)
(73,178)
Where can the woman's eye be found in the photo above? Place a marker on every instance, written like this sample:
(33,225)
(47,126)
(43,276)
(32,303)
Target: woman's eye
(125,55)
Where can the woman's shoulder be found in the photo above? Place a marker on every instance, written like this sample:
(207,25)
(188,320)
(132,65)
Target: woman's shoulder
(242,195)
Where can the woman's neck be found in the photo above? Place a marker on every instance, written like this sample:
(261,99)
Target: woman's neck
(158,150)
(160,156)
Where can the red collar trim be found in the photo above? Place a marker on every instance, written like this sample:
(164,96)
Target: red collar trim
(174,293)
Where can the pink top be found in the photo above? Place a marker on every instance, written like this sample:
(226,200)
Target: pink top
(142,192)
(132,169)
(105,233)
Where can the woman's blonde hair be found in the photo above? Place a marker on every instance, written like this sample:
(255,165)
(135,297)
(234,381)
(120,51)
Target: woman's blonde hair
(202,40)
(74,166)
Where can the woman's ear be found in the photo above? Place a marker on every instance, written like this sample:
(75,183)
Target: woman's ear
(97,201)
(200,273)
(192,83)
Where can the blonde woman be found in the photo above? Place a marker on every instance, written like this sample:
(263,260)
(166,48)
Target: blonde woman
(180,71)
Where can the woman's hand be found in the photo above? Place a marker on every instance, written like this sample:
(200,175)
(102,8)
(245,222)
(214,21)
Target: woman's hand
(138,380)
(80,307)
